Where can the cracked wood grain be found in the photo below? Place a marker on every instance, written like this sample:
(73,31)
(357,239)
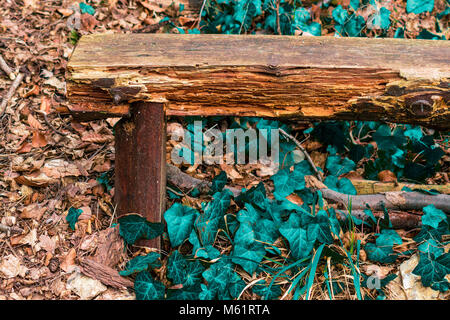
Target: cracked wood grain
(302,78)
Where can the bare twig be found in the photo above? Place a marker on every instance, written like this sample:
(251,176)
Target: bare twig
(16,83)
(307,156)
(7,229)
(200,14)
(6,68)
(278,17)
(44,114)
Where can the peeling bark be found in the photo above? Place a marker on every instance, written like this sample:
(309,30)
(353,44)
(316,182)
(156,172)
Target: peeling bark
(404,81)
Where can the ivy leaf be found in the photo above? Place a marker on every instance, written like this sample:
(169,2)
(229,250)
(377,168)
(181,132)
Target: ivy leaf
(388,237)
(381,18)
(141,263)
(72,217)
(382,250)
(148,289)
(133,227)
(340,15)
(222,281)
(85,8)
(354,4)
(383,254)
(207,252)
(433,216)
(387,140)
(419,6)
(219,182)
(319,228)
(182,271)
(297,237)
(427,232)
(286,182)
(180,221)
(207,223)
(433,271)
(342,185)
(431,247)
(247,252)
(255,196)
(338,166)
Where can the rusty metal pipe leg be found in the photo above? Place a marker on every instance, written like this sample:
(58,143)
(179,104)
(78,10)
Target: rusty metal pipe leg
(140,164)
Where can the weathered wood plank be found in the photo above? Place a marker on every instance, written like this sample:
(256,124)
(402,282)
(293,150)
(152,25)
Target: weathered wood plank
(140,164)
(395,80)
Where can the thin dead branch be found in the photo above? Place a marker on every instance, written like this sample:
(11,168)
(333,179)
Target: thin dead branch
(307,156)
(16,83)
(4,66)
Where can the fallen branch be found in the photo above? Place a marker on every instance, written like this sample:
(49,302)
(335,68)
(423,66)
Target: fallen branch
(372,187)
(399,220)
(7,229)
(185,182)
(16,83)
(4,66)
(398,200)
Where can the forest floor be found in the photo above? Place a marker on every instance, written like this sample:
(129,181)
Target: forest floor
(50,163)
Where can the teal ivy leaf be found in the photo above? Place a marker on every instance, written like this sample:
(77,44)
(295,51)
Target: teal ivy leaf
(431,247)
(262,289)
(383,254)
(354,4)
(207,223)
(286,182)
(381,18)
(387,140)
(342,185)
(419,6)
(382,250)
(247,250)
(388,237)
(338,166)
(219,182)
(297,237)
(414,133)
(427,232)
(340,15)
(433,271)
(319,228)
(85,8)
(133,227)
(207,252)
(182,271)
(72,217)
(399,33)
(180,222)
(148,289)
(425,34)
(358,152)
(141,263)
(222,281)
(255,196)
(433,216)
(105,181)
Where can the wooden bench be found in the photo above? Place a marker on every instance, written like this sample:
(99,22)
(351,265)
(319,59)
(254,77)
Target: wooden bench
(144,77)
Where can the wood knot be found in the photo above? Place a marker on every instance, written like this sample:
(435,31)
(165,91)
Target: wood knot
(420,107)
